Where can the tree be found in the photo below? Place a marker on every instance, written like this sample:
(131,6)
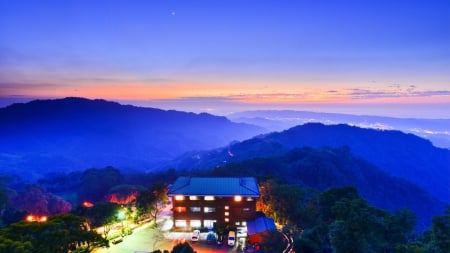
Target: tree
(182,248)
(272,241)
(34,199)
(11,215)
(61,233)
(288,204)
(3,197)
(103,214)
(152,201)
(440,233)
(96,183)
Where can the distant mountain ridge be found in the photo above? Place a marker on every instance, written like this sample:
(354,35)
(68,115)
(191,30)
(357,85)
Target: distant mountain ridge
(76,133)
(435,130)
(398,154)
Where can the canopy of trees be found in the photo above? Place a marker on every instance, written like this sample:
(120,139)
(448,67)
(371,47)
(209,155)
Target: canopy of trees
(61,233)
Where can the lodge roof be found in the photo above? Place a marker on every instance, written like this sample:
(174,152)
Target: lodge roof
(215,186)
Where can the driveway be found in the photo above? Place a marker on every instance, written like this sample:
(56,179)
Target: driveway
(146,239)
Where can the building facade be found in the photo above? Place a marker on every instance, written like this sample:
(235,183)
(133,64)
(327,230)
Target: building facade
(203,202)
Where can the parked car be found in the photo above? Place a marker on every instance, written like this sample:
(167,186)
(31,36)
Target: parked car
(231,238)
(195,235)
(211,238)
(241,232)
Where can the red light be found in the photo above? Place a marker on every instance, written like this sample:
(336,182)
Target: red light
(87,204)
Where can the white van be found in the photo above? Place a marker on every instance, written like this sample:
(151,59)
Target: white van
(231,238)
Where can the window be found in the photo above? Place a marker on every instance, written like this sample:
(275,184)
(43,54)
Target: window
(180,209)
(227,220)
(195,209)
(193,198)
(209,209)
(237,198)
(227,213)
(209,223)
(237,223)
(179,197)
(246,210)
(180,223)
(227,207)
(209,198)
(196,223)
(249,199)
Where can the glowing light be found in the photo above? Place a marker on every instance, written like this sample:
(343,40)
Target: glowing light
(87,204)
(237,198)
(209,198)
(32,218)
(179,197)
(121,215)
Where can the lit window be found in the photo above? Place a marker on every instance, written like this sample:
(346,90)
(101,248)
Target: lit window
(180,209)
(195,209)
(249,199)
(179,197)
(227,220)
(237,223)
(180,223)
(227,207)
(193,198)
(196,223)
(244,223)
(209,209)
(237,198)
(227,213)
(209,198)
(246,210)
(209,223)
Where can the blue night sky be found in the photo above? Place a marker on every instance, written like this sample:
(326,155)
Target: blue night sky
(364,57)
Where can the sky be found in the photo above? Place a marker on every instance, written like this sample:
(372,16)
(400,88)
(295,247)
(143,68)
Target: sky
(375,57)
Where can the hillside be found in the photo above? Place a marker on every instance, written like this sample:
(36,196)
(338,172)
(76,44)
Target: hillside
(75,133)
(396,153)
(324,168)
(435,130)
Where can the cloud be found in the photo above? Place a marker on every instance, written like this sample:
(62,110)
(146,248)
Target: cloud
(395,91)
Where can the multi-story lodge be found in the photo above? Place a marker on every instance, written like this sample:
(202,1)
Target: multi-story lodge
(203,201)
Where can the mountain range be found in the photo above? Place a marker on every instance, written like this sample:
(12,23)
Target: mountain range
(435,130)
(76,133)
(396,153)
(392,169)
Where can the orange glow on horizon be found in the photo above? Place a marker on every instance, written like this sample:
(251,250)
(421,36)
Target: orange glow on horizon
(238,93)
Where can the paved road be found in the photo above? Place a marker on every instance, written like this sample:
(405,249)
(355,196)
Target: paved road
(146,239)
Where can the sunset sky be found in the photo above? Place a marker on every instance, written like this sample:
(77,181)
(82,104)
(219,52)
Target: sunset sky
(383,57)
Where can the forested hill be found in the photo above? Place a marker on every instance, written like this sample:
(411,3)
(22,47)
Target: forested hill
(75,134)
(398,154)
(323,168)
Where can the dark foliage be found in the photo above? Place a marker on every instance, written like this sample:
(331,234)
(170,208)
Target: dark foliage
(336,167)
(60,234)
